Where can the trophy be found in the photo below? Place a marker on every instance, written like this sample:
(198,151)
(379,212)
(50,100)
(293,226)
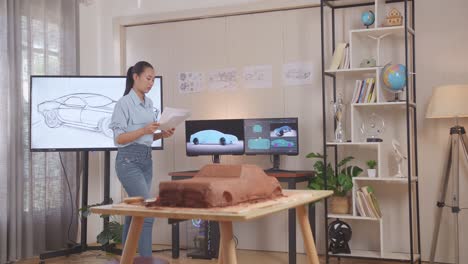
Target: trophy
(372,128)
(338,109)
(399,157)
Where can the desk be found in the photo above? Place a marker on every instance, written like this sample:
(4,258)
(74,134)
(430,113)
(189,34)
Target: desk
(225,216)
(289,177)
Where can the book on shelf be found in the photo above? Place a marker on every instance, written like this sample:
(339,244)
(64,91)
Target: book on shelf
(367,204)
(340,59)
(364,91)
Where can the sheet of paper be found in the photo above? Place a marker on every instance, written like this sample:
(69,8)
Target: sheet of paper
(258,76)
(297,73)
(190,82)
(223,79)
(172,117)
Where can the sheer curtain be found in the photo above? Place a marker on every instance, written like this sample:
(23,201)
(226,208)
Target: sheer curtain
(38,196)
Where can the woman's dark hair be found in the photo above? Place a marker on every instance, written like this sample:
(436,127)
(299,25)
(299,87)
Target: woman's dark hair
(138,68)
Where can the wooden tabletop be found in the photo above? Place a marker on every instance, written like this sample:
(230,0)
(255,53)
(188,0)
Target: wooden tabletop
(276,174)
(241,212)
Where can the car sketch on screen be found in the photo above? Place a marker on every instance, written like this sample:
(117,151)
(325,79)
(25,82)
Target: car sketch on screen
(283,131)
(79,110)
(258,143)
(213,137)
(281,143)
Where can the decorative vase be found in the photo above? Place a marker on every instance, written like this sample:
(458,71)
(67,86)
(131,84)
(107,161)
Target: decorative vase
(372,173)
(339,204)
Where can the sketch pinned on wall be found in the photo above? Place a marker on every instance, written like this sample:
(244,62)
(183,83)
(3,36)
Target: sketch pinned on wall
(258,76)
(223,79)
(297,73)
(190,82)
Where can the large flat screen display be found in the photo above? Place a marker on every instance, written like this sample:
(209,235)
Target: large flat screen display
(214,137)
(72,113)
(271,136)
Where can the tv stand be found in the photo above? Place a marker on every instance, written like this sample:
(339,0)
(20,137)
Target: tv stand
(216,159)
(276,165)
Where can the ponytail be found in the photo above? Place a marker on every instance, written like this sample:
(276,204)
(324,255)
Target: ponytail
(138,68)
(129,82)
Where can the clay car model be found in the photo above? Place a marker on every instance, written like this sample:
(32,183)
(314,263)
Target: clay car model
(212,137)
(217,185)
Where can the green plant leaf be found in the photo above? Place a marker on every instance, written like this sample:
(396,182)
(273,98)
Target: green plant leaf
(344,161)
(315,186)
(314,155)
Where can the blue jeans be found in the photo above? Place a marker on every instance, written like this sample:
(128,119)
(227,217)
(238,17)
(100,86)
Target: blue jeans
(134,169)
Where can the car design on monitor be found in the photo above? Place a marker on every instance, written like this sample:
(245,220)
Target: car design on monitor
(81,110)
(213,137)
(281,143)
(281,130)
(259,143)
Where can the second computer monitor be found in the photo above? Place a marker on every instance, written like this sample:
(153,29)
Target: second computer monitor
(271,136)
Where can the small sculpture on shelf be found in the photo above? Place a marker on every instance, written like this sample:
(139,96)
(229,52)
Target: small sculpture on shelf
(399,157)
(338,110)
(373,127)
(368,63)
(367,18)
(394,18)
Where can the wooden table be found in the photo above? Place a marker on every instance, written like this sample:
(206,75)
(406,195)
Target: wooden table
(225,216)
(291,177)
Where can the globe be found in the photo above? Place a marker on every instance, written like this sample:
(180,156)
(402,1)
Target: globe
(394,77)
(368,18)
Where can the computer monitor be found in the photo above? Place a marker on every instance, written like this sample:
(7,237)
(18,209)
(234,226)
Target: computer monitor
(73,113)
(214,137)
(272,136)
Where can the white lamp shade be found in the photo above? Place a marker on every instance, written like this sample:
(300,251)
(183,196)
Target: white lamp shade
(450,101)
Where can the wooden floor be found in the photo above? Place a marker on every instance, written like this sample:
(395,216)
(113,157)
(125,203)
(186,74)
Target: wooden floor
(243,257)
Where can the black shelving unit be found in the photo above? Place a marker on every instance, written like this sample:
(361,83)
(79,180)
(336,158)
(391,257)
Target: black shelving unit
(410,111)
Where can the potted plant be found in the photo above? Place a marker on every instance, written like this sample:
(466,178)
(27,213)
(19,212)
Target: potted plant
(371,171)
(112,232)
(339,181)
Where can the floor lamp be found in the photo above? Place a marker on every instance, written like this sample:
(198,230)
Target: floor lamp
(450,101)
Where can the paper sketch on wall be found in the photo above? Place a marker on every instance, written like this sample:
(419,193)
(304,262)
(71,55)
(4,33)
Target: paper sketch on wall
(258,76)
(224,79)
(297,73)
(80,110)
(190,82)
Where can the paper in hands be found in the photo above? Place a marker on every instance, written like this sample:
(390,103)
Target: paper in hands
(172,117)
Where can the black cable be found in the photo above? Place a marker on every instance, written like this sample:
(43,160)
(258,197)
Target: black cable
(71,201)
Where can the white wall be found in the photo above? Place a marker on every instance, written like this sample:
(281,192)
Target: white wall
(441,53)
(441,59)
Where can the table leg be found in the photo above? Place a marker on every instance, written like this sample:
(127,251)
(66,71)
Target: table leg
(227,244)
(133,236)
(220,252)
(292,229)
(312,217)
(307,235)
(175,240)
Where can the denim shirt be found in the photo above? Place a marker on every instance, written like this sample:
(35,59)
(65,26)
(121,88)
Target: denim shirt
(131,114)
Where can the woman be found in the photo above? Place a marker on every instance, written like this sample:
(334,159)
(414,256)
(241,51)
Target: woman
(134,124)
